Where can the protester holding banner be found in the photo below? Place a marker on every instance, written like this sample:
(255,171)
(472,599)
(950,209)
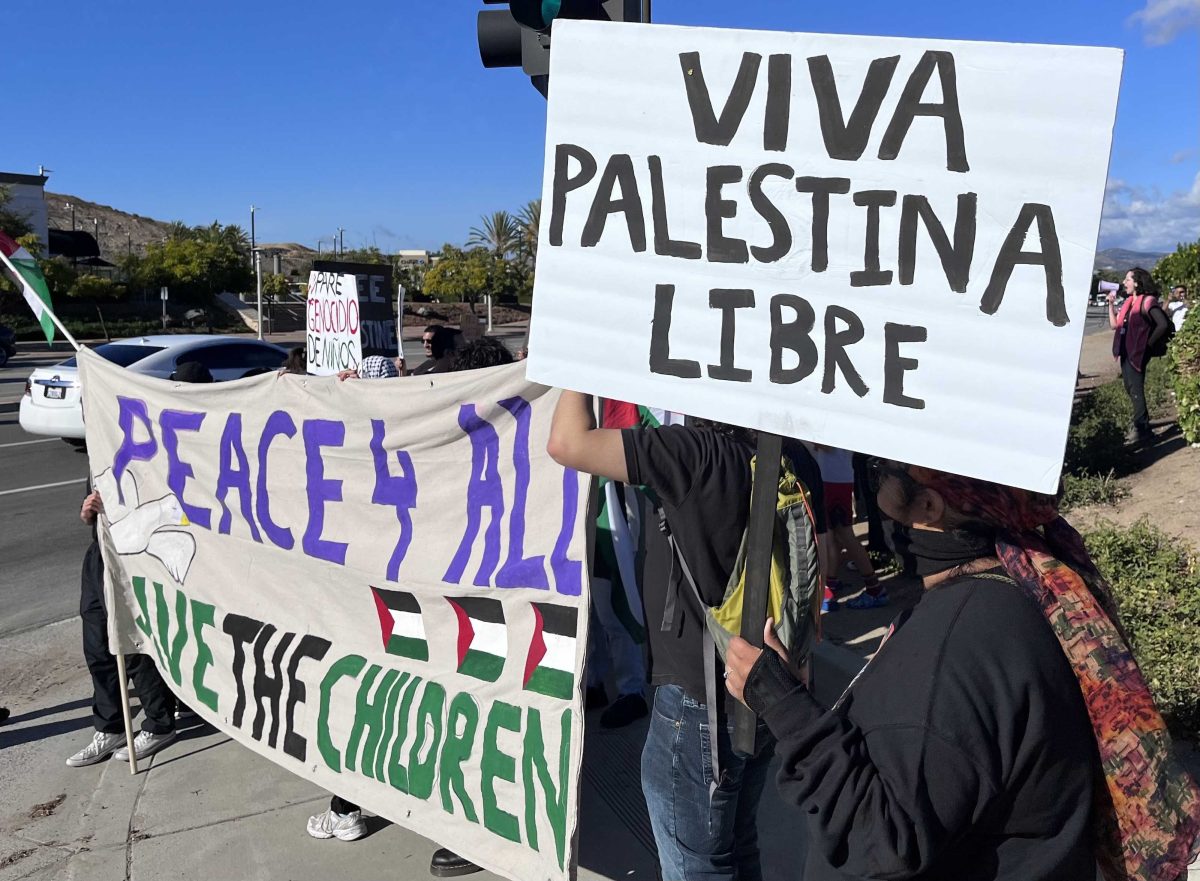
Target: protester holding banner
(1138,327)
(158,703)
(702,476)
(1000,722)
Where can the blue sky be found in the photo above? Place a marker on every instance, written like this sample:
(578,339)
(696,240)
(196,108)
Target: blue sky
(378,117)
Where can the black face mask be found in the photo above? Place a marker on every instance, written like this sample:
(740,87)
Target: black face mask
(938,551)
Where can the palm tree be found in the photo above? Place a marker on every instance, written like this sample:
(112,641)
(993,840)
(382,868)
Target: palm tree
(500,234)
(529,220)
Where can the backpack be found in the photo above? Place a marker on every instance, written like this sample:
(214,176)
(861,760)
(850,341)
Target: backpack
(1159,349)
(793,601)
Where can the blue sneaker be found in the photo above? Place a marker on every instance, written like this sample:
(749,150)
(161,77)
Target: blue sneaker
(829,605)
(869,601)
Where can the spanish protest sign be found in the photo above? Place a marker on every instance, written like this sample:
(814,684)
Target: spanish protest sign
(377,585)
(881,244)
(349,316)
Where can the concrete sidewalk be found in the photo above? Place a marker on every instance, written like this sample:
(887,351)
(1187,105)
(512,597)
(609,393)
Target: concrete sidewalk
(206,808)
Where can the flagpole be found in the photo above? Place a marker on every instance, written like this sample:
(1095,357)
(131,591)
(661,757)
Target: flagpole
(20,279)
(125,710)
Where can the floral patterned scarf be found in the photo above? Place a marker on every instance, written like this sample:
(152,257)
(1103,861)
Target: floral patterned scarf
(1148,808)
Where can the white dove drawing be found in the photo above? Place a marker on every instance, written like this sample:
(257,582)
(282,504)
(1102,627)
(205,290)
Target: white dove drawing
(137,527)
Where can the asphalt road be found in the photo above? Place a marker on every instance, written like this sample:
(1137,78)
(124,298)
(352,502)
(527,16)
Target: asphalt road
(42,481)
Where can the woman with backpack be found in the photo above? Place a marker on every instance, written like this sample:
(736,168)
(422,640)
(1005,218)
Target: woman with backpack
(1140,330)
(1002,731)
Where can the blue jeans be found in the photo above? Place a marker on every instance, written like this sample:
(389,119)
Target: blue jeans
(698,838)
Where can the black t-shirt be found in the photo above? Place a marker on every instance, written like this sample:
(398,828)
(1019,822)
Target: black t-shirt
(963,751)
(703,481)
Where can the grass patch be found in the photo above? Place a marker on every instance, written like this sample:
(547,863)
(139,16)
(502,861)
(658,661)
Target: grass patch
(1156,583)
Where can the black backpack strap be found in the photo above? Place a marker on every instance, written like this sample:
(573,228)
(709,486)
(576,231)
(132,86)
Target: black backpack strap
(710,665)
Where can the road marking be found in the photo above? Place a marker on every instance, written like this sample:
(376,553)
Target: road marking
(45,440)
(27,489)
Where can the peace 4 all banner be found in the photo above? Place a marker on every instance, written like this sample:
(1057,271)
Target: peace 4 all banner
(378,585)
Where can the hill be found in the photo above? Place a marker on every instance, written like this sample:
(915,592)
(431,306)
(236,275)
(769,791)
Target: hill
(1121,259)
(120,232)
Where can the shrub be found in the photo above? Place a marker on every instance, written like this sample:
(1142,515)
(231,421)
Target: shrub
(1185,364)
(1156,583)
(1096,437)
(1091,489)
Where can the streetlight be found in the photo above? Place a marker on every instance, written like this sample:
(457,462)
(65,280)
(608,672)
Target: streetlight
(252,243)
(258,287)
(341,242)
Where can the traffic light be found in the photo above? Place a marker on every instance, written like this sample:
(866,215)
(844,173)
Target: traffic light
(519,36)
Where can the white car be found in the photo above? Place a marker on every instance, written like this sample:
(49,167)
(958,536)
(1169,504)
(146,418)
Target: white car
(51,404)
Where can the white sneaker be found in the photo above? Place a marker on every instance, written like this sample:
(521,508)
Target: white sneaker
(98,750)
(145,745)
(331,824)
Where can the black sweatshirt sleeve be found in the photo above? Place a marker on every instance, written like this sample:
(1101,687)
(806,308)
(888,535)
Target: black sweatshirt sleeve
(1161,324)
(884,803)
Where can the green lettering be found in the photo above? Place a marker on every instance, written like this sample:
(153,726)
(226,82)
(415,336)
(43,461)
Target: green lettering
(143,619)
(203,615)
(455,750)
(350,665)
(493,764)
(397,773)
(368,719)
(174,651)
(389,724)
(361,708)
(429,715)
(534,759)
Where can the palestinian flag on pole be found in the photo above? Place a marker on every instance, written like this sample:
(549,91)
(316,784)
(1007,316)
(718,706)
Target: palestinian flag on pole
(401,623)
(550,666)
(482,637)
(28,277)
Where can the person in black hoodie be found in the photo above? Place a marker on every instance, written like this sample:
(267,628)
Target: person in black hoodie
(1003,729)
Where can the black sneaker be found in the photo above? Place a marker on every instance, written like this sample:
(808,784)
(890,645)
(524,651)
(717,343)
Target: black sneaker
(447,864)
(3,714)
(626,709)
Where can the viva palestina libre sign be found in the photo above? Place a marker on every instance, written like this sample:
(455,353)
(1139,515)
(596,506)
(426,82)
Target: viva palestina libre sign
(877,243)
(379,585)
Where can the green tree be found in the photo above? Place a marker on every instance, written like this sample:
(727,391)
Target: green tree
(1180,268)
(468,276)
(529,221)
(11,222)
(500,234)
(196,267)
(276,287)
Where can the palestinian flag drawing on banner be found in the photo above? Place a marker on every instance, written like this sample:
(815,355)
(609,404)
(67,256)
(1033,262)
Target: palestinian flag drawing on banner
(28,277)
(401,623)
(482,637)
(550,666)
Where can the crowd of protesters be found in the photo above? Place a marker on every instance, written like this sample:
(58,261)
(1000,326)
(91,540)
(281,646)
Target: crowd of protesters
(1003,730)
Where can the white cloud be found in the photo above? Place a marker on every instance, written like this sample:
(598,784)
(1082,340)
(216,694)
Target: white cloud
(1146,220)
(1181,156)
(1164,20)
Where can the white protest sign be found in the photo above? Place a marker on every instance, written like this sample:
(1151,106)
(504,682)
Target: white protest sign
(333,323)
(378,585)
(876,243)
